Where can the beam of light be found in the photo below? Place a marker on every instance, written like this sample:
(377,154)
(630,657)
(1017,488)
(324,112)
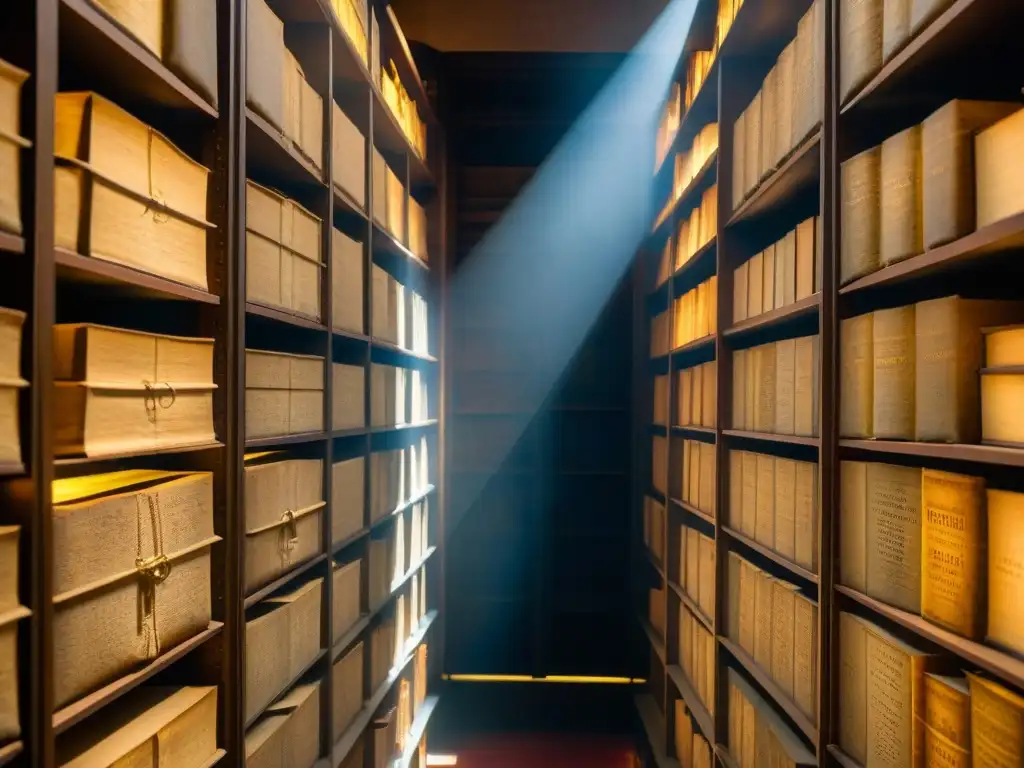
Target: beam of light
(541,275)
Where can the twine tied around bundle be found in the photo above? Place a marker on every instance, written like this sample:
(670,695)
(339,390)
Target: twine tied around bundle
(289,532)
(154,398)
(152,571)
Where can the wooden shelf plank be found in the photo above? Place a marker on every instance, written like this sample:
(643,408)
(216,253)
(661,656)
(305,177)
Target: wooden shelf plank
(88,34)
(269,442)
(725,757)
(802,722)
(988,658)
(280,581)
(1001,237)
(703,254)
(800,172)
(405,505)
(79,710)
(709,519)
(12,244)
(413,570)
(403,427)
(800,309)
(350,634)
(80,461)
(704,178)
(269,150)
(219,755)
(794,569)
(656,642)
(978,454)
(348,541)
(416,732)
(124,280)
(704,434)
(291,684)
(705,721)
(10,751)
(350,336)
(11,468)
(402,351)
(653,561)
(693,346)
(384,243)
(842,758)
(770,437)
(285,317)
(359,724)
(695,609)
(345,203)
(654,727)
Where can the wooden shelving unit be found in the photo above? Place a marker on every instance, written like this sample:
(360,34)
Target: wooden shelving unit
(966,51)
(74,45)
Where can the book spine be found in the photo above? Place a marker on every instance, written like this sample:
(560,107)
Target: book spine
(783,635)
(861,211)
(1005,569)
(785,508)
(805,655)
(948,709)
(860,44)
(764,528)
(953,549)
(890,722)
(947,162)
(807,515)
(856,402)
(748,520)
(765,377)
(901,226)
(895,27)
(785,387)
(997,724)
(853,687)
(893,535)
(893,352)
(763,606)
(999,188)
(853,524)
(735,489)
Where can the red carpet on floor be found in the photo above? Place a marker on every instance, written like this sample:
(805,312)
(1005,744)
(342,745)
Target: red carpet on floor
(542,751)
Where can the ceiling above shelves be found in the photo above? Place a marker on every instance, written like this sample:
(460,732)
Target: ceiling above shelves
(527,26)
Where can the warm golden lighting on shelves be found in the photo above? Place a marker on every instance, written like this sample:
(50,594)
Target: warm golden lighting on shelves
(404,108)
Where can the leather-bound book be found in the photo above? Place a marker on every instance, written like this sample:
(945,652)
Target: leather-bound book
(902,217)
(947,162)
(859,253)
(860,44)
